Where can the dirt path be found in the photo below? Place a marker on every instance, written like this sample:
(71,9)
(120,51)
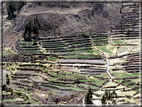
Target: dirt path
(107,62)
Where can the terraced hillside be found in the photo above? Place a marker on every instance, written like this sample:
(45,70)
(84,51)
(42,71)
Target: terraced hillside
(58,69)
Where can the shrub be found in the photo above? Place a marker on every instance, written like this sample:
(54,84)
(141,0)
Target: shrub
(7,80)
(10,10)
(35,42)
(108,97)
(25,98)
(77,80)
(4,87)
(85,35)
(88,96)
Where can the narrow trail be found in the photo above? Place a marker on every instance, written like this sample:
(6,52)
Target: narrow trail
(83,101)
(108,69)
(104,57)
(43,49)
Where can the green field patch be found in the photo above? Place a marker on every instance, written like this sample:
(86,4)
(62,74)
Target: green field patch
(28,45)
(26,42)
(33,49)
(11,67)
(98,82)
(103,49)
(68,73)
(87,86)
(137,89)
(127,82)
(84,48)
(118,81)
(6,53)
(130,86)
(135,74)
(96,52)
(79,44)
(118,42)
(45,61)
(79,56)
(112,48)
(52,58)
(46,70)
(88,80)
(57,75)
(121,75)
(23,90)
(102,75)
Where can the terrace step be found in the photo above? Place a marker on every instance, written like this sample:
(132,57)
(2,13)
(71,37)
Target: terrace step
(16,77)
(80,61)
(22,83)
(132,71)
(132,68)
(30,49)
(92,70)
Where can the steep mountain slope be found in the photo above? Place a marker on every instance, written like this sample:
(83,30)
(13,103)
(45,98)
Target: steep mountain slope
(69,18)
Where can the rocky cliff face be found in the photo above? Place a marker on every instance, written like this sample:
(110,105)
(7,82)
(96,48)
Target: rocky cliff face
(69,18)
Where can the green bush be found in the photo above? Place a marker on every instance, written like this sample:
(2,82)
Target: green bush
(7,80)
(89,96)
(25,98)
(109,96)
(4,87)
(35,42)
(12,7)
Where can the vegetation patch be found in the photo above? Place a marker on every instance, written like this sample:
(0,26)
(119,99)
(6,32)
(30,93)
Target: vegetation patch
(124,75)
(79,56)
(87,86)
(103,49)
(135,74)
(126,82)
(52,58)
(88,80)
(102,75)
(118,81)
(96,52)
(118,42)
(98,82)
(130,86)
(26,42)
(6,53)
